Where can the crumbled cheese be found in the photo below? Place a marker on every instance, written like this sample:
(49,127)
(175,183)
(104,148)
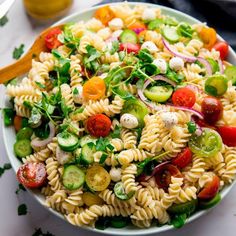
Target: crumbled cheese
(128,121)
(169,118)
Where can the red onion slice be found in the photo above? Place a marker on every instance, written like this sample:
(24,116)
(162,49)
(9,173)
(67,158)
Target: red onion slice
(206,65)
(178,54)
(221,66)
(40,143)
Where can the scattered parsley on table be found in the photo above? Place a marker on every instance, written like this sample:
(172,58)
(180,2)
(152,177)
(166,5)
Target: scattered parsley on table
(6,166)
(22,210)
(18,51)
(20,187)
(38,232)
(3,21)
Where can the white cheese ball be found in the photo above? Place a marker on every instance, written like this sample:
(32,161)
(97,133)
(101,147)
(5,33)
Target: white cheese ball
(149,14)
(128,121)
(78,94)
(176,63)
(150,46)
(116,24)
(115,174)
(161,65)
(117,33)
(169,118)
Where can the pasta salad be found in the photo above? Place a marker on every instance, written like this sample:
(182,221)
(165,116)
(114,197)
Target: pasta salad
(128,118)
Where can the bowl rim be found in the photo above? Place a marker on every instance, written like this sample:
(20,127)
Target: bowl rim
(36,193)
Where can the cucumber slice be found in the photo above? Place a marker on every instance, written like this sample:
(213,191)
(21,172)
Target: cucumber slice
(155,24)
(87,152)
(22,148)
(159,93)
(170,33)
(216,85)
(73,177)
(128,36)
(24,133)
(187,207)
(230,73)
(68,142)
(214,65)
(211,203)
(119,221)
(136,108)
(87,139)
(120,192)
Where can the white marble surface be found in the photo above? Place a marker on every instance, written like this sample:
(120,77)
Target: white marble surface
(219,221)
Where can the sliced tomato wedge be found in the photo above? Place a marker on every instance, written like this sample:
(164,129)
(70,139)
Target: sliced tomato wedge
(99,125)
(32,175)
(129,47)
(51,39)
(163,175)
(228,135)
(210,190)
(183,158)
(184,97)
(223,48)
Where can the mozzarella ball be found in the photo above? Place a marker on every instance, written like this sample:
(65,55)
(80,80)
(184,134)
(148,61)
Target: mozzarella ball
(176,63)
(161,65)
(117,33)
(128,121)
(150,46)
(115,174)
(116,24)
(78,94)
(149,14)
(169,118)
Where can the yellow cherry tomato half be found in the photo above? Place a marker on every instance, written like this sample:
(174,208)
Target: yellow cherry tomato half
(208,36)
(94,89)
(91,199)
(97,178)
(104,14)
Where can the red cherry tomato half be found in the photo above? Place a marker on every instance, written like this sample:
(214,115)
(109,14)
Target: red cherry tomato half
(228,135)
(130,47)
(210,190)
(184,97)
(183,158)
(223,48)
(99,125)
(212,110)
(51,39)
(32,175)
(164,173)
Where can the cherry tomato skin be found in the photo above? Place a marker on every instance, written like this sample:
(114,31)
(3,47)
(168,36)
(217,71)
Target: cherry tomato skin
(130,47)
(228,135)
(138,27)
(202,123)
(17,123)
(164,173)
(183,158)
(99,125)
(51,39)
(32,175)
(184,97)
(212,110)
(223,48)
(208,36)
(210,190)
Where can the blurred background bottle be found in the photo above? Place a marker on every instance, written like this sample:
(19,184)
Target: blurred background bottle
(44,10)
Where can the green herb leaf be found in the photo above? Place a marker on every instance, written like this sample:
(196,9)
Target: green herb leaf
(3,21)
(22,210)
(122,93)
(103,158)
(20,187)
(38,232)
(114,47)
(75,91)
(179,220)
(6,166)
(191,127)
(145,55)
(8,114)
(172,75)
(116,132)
(185,30)
(101,144)
(18,51)
(155,24)
(42,86)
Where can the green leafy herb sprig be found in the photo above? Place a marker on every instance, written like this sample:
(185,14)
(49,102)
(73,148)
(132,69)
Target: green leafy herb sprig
(17,53)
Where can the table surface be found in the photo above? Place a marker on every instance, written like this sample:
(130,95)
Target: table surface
(219,221)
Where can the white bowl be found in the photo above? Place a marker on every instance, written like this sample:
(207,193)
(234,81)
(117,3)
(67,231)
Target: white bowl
(9,132)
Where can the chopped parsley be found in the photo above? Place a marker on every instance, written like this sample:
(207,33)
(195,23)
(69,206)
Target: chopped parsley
(116,132)
(22,210)
(20,187)
(3,21)
(6,166)
(18,51)
(38,232)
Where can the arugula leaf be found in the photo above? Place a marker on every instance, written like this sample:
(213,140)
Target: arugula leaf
(22,210)
(179,220)
(101,144)
(145,55)
(20,187)
(122,93)
(65,109)
(172,75)
(114,47)
(3,20)
(18,51)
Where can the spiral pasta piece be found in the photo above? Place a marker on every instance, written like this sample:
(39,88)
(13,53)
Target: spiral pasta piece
(129,138)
